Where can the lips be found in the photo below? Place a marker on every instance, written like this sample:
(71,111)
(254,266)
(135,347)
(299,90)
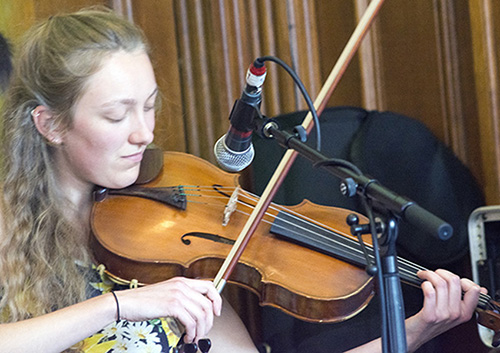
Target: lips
(136,157)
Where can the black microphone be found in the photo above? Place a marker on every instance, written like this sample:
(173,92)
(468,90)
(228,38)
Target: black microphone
(234,151)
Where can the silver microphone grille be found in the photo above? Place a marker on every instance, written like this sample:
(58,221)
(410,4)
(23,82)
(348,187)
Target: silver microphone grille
(232,161)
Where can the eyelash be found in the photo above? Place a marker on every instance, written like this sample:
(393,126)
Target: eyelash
(117,120)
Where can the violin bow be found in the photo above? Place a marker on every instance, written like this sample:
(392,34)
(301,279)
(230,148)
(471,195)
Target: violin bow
(289,157)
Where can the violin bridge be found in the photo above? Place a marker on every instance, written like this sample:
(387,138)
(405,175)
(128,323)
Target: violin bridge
(231,206)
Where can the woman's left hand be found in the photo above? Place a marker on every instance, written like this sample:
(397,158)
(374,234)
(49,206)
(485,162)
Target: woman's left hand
(448,301)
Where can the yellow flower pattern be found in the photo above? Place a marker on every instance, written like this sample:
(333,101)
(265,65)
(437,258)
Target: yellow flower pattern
(91,344)
(153,336)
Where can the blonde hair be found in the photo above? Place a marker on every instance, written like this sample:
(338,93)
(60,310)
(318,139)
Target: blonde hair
(40,239)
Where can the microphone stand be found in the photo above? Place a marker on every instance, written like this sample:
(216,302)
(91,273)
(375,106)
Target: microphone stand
(392,283)
(398,208)
(392,305)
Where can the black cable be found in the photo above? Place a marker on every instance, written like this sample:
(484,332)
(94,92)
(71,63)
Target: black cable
(378,264)
(336,162)
(302,89)
(376,253)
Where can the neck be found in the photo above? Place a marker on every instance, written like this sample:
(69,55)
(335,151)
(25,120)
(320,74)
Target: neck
(74,188)
(79,202)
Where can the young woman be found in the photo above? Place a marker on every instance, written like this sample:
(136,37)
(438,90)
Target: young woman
(79,112)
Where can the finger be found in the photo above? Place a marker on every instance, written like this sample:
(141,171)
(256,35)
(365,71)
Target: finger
(440,310)
(214,295)
(429,297)
(468,285)
(190,300)
(454,292)
(200,309)
(207,299)
(471,295)
(187,320)
(208,289)
(441,288)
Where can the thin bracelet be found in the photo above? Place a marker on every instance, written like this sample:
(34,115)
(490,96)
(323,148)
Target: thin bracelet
(117,306)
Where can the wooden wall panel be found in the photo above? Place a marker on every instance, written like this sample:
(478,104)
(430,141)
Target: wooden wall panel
(434,60)
(423,59)
(44,9)
(469,123)
(485,26)
(370,59)
(411,71)
(336,20)
(157,20)
(16,17)
(217,41)
(417,60)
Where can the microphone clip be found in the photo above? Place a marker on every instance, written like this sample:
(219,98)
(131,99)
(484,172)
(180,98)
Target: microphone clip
(263,126)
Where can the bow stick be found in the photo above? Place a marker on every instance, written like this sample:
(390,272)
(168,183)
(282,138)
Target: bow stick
(290,155)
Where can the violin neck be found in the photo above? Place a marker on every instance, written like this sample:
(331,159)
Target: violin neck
(329,242)
(335,244)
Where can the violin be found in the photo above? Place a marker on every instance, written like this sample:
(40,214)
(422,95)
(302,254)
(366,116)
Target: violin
(191,231)
(301,259)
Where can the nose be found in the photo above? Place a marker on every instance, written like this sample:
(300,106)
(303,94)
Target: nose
(142,130)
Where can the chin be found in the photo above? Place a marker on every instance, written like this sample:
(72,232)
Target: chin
(123,182)
(127,183)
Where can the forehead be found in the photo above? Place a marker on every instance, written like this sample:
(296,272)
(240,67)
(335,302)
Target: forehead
(122,76)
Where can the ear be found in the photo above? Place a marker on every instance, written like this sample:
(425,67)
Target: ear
(45,124)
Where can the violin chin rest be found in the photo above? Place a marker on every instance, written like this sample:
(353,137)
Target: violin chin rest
(151,165)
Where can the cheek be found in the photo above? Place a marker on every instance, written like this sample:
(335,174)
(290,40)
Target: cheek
(105,168)
(98,150)
(94,156)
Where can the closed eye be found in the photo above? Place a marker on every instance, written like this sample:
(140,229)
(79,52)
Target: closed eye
(115,118)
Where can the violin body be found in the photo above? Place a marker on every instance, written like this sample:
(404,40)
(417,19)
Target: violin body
(141,239)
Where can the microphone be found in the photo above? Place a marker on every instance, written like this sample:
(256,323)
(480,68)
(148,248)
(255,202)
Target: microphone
(234,151)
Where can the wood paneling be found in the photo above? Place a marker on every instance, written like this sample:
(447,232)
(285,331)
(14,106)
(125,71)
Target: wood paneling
(217,41)
(157,20)
(435,60)
(336,21)
(16,17)
(486,44)
(426,70)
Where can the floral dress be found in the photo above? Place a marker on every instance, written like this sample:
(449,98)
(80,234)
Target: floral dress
(152,336)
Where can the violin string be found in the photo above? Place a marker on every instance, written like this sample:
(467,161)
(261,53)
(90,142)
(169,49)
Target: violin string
(206,191)
(335,239)
(406,267)
(409,269)
(253,200)
(486,303)
(353,245)
(251,197)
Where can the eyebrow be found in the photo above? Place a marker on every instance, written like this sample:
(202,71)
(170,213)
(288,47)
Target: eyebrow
(127,101)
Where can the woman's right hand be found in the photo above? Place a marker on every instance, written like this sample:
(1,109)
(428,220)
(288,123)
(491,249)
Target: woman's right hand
(192,302)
